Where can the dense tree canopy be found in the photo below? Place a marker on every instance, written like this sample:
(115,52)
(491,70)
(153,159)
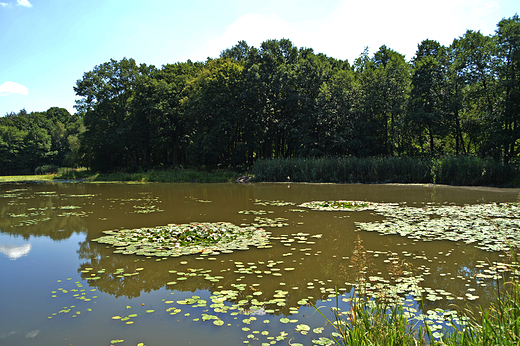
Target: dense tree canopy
(31,140)
(279,101)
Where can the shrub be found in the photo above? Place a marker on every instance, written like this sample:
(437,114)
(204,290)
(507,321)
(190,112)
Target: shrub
(46,169)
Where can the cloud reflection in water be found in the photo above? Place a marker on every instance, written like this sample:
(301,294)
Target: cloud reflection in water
(15,251)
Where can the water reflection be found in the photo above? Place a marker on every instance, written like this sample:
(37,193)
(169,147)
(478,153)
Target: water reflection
(15,251)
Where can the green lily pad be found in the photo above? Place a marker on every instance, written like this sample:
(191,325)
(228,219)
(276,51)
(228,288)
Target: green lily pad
(185,239)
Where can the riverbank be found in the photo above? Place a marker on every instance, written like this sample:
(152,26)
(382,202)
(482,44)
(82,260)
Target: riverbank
(455,171)
(167,176)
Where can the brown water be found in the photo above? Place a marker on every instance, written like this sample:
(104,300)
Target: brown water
(46,248)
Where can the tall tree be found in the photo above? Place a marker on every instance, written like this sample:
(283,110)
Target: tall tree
(274,66)
(428,94)
(508,40)
(474,62)
(106,94)
(384,82)
(213,107)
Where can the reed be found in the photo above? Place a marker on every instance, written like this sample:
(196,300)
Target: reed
(380,321)
(459,170)
(371,322)
(497,325)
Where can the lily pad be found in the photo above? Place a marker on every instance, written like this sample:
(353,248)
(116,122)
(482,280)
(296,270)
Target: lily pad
(185,239)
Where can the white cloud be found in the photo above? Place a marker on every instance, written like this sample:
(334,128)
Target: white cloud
(483,8)
(25,3)
(344,33)
(9,88)
(4,4)
(252,28)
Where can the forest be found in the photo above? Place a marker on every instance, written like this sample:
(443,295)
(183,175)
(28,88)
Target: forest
(283,101)
(30,141)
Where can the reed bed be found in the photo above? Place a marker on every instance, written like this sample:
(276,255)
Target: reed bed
(459,170)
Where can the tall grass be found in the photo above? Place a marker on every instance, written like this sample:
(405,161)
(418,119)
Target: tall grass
(25,178)
(380,321)
(497,325)
(372,322)
(460,170)
(178,175)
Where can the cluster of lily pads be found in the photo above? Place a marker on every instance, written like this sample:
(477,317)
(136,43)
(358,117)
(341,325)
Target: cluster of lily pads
(229,305)
(490,227)
(341,205)
(275,203)
(146,209)
(79,292)
(183,239)
(33,216)
(249,300)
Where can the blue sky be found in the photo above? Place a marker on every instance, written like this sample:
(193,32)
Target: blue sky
(47,45)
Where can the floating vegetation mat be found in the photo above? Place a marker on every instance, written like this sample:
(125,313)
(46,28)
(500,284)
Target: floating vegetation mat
(276,203)
(490,227)
(185,239)
(342,205)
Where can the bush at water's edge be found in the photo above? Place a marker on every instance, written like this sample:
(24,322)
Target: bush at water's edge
(460,170)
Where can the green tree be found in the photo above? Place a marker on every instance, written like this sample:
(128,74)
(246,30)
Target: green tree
(383,82)
(428,94)
(337,102)
(474,62)
(273,67)
(213,107)
(106,98)
(169,126)
(11,146)
(508,40)
(312,129)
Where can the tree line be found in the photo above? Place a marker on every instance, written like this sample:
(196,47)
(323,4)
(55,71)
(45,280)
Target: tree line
(281,101)
(39,139)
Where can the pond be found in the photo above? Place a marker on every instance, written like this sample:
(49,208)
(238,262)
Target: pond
(61,285)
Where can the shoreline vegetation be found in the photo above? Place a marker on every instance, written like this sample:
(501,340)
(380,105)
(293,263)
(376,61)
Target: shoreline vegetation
(449,170)
(384,320)
(151,176)
(380,322)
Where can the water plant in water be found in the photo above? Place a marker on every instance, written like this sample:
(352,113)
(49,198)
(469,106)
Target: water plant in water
(183,239)
(340,205)
(497,325)
(373,322)
(378,320)
(490,227)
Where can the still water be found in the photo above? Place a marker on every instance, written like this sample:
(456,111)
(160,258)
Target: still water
(58,287)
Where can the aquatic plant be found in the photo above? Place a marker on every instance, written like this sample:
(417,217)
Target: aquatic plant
(490,226)
(497,325)
(184,239)
(340,205)
(377,320)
